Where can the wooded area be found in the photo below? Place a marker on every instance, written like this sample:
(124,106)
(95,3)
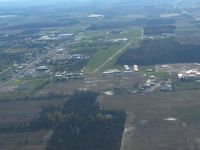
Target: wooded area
(80,124)
(160,51)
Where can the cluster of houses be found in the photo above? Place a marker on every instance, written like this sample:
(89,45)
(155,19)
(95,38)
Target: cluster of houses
(120,40)
(153,84)
(55,36)
(127,69)
(190,75)
(68,76)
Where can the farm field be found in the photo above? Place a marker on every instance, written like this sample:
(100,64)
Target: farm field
(157,120)
(135,58)
(30,140)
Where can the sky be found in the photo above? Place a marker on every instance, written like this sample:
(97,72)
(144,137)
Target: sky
(34,2)
(9,0)
(40,1)
(10,4)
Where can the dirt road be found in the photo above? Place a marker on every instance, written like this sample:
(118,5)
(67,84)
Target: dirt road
(128,134)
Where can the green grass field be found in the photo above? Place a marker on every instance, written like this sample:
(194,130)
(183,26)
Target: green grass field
(100,56)
(23,87)
(104,53)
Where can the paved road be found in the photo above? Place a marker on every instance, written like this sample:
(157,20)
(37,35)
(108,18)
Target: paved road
(5,70)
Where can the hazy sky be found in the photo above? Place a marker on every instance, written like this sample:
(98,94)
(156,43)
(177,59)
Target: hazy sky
(37,1)
(40,1)
(33,1)
(9,0)
(27,3)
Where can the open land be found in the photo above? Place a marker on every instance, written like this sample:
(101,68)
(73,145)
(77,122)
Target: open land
(143,59)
